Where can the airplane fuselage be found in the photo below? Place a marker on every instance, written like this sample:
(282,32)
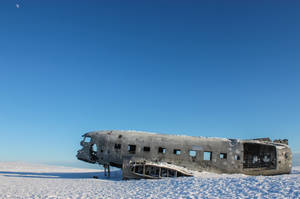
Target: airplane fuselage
(128,149)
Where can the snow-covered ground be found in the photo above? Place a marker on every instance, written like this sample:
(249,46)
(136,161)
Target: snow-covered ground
(22,180)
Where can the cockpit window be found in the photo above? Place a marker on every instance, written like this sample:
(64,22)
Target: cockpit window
(87,139)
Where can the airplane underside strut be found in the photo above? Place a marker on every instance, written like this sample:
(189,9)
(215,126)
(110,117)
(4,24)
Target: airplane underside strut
(106,166)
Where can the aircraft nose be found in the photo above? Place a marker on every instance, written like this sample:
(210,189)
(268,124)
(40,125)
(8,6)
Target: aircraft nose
(79,152)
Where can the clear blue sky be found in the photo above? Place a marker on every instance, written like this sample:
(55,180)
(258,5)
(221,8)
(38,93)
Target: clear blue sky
(200,68)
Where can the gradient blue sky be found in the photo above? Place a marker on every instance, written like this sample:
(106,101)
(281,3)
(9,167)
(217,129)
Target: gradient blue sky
(200,68)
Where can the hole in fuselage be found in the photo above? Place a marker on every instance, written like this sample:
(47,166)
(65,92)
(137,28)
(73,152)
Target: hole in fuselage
(259,156)
(93,152)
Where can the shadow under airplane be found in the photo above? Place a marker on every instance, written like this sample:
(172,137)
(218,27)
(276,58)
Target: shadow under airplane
(114,176)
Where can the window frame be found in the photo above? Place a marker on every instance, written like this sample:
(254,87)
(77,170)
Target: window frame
(147,147)
(224,157)
(131,148)
(162,150)
(210,155)
(193,156)
(177,151)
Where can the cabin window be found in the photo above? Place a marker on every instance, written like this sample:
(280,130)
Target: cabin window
(146,148)
(161,150)
(207,155)
(117,146)
(87,139)
(131,149)
(237,157)
(177,151)
(192,153)
(223,156)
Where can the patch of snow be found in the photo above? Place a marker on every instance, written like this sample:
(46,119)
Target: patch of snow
(280,147)
(23,180)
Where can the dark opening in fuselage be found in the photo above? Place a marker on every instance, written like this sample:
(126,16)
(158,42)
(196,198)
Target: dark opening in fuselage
(259,156)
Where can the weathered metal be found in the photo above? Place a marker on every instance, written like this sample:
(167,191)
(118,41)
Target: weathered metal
(146,155)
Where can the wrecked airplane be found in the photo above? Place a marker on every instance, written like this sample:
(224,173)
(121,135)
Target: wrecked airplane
(154,156)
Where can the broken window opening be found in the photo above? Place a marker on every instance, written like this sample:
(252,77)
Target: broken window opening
(223,156)
(146,148)
(259,156)
(237,157)
(94,147)
(286,155)
(131,149)
(93,152)
(177,151)
(207,155)
(117,146)
(87,139)
(192,153)
(161,150)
